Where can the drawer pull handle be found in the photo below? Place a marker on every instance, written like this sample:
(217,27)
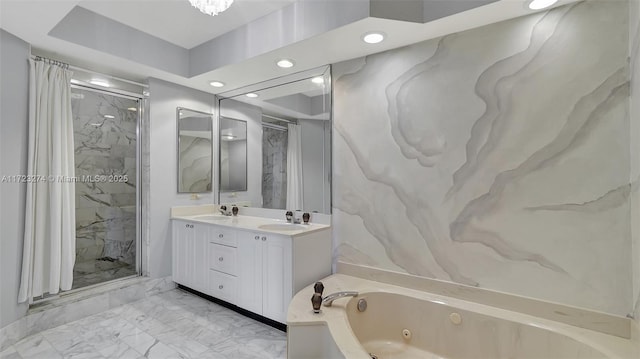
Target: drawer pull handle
(257,237)
(220,259)
(220,286)
(264,239)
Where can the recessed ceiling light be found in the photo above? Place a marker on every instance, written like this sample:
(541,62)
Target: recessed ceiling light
(285,63)
(100,82)
(318,80)
(109,116)
(373,37)
(252,95)
(216,83)
(541,4)
(132,109)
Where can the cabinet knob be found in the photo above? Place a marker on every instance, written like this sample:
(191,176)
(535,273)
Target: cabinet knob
(186,225)
(257,237)
(220,286)
(220,259)
(220,235)
(192,226)
(264,239)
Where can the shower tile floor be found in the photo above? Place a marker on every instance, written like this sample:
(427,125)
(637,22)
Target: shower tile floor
(99,271)
(174,324)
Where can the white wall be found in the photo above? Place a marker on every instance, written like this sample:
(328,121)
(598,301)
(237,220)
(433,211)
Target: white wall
(14,91)
(253,116)
(164,98)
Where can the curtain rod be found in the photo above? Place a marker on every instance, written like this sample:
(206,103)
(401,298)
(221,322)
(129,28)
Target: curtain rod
(71,67)
(275,127)
(279,118)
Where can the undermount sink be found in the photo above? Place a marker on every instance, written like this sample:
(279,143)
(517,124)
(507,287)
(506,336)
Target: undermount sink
(283,227)
(211,217)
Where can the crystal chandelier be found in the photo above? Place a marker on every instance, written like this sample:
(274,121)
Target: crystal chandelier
(211,7)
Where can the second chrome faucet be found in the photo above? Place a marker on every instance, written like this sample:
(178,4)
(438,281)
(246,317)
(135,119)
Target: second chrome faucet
(328,300)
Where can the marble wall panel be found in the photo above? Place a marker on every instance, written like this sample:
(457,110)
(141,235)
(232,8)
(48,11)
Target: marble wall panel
(496,157)
(274,168)
(195,164)
(105,144)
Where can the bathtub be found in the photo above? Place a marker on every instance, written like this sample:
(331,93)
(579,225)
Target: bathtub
(404,323)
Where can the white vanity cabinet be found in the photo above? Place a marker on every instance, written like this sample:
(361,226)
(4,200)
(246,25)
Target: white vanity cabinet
(265,263)
(255,270)
(190,259)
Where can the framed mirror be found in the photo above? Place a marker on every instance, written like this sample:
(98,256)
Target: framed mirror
(233,155)
(195,151)
(288,124)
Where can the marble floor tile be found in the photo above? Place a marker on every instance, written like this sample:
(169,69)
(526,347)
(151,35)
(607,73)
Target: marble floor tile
(172,325)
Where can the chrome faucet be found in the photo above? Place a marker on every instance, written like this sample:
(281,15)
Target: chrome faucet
(328,300)
(294,216)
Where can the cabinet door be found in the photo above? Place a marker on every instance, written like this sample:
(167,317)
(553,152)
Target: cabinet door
(276,279)
(183,246)
(199,258)
(249,271)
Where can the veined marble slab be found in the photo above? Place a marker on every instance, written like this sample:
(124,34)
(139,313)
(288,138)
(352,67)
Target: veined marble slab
(105,143)
(84,303)
(496,157)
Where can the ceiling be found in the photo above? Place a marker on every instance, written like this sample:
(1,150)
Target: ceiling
(177,23)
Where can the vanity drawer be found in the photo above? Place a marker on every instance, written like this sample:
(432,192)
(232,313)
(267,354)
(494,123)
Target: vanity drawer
(222,286)
(224,236)
(222,258)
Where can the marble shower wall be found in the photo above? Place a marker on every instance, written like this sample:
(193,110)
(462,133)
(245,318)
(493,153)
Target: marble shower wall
(498,157)
(105,211)
(274,168)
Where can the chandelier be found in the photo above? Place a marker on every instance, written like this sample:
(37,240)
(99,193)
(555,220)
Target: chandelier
(211,7)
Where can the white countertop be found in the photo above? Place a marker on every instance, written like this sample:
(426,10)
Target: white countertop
(250,223)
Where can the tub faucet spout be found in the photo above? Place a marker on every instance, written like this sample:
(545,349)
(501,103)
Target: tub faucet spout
(328,300)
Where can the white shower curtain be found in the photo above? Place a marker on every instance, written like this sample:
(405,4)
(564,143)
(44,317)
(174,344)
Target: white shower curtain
(294,168)
(49,226)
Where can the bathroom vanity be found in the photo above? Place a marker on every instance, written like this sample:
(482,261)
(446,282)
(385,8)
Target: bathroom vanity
(255,263)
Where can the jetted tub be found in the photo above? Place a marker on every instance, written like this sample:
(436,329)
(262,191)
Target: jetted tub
(405,323)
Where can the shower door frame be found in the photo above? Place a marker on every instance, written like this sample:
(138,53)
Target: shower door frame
(141,99)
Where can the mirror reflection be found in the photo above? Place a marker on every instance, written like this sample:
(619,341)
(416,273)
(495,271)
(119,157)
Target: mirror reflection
(233,155)
(195,134)
(288,122)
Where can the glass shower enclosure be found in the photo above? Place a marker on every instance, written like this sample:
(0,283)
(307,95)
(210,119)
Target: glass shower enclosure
(106,161)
